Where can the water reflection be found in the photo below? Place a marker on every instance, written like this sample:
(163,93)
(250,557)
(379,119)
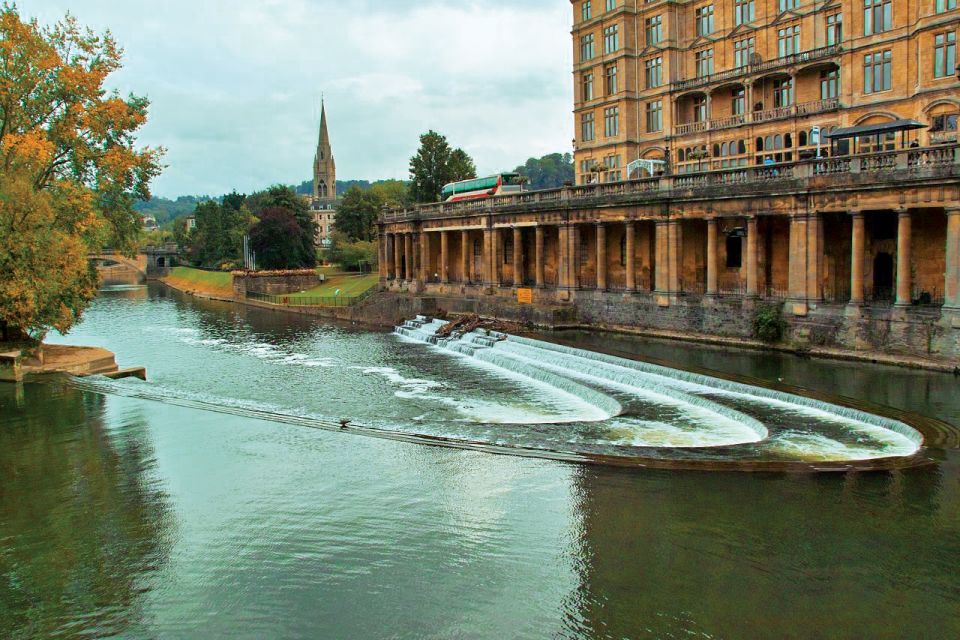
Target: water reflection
(83,522)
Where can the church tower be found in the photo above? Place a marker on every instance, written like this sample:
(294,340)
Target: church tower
(324,168)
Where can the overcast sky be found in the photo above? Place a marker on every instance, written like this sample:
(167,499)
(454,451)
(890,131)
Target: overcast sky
(235,85)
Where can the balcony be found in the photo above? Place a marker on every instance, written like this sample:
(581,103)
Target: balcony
(767,115)
(942,137)
(759,67)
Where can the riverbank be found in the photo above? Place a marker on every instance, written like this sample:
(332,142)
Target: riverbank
(53,359)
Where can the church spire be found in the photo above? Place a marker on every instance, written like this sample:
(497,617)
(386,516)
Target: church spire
(324,167)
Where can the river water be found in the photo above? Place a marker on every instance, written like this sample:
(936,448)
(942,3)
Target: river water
(180,508)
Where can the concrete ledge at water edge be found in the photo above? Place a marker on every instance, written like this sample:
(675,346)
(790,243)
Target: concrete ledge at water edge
(52,359)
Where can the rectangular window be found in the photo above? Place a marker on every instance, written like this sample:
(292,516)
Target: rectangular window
(653,69)
(734,252)
(877,72)
(611,122)
(834,29)
(654,116)
(704,60)
(586,11)
(612,164)
(611,73)
(587,87)
(944,122)
(743,12)
(945,54)
(788,41)
(743,52)
(704,18)
(586,47)
(700,109)
(829,84)
(654,29)
(877,16)
(587,133)
(738,101)
(611,5)
(783,92)
(788,5)
(946,5)
(611,38)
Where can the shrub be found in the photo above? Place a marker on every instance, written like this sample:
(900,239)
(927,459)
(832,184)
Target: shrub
(768,323)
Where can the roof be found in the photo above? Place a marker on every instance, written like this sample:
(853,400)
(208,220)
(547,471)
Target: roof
(875,129)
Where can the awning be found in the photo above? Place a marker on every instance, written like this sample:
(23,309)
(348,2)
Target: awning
(875,129)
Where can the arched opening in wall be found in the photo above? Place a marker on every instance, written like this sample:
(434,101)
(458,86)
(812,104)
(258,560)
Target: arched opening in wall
(161,262)
(883,277)
(943,123)
(878,142)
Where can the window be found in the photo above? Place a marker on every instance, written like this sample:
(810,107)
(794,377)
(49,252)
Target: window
(586,11)
(700,109)
(743,51)
(829,84)
(788,5)
(834,29)
(611,5)
(944,54)
(876,72)
(946,5)
(654,72)
(586,47)
(704,18)
(612,163)
(654,28)
(788,41)
(587,86)
(704,61)
(783,92)
(611,73)
(734,252)
(508,250)
(877,16)
(743,12)
(944,122)
(611,121)
(611,38)
(738,101)
(654,116)
(587,133)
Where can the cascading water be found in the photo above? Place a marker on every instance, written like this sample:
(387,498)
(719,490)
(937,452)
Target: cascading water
(643,406)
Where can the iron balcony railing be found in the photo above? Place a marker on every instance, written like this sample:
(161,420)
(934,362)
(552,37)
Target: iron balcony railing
(766,115)
(803,57)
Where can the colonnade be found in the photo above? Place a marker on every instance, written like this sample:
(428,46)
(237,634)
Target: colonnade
(406,256)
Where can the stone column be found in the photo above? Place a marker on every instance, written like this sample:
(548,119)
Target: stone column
(445,257)
(540,256)
(408,256)
(388,255)
(753,264)
(712,273)
(951,287)
(425,271)
(674,253)
(488,279)
(382,255)
(631,260)
(574,240)
(564,257)
(798,263)
(904,242)
(814,257)
(858,244)
(601,257)
(517,257)
(398,256)
(465,257)
(497,257)
(662,284)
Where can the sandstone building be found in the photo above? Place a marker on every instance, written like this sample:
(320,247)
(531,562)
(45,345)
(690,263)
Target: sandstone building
(811,164)
(323,204)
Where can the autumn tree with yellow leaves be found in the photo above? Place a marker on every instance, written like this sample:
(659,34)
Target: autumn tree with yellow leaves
(71,170)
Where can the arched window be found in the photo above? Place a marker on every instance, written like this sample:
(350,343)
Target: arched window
(803,138)
(788,141)
(760,144)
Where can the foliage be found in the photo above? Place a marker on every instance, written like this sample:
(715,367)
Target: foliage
(768,323)
(305,188)
(357,214)
(166,211)
(435,165)
(71,170)
(549,172)
(392,193)
(278,239)
(218,236)
(352,254)
(302,250)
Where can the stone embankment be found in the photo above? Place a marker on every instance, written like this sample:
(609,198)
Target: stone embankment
(53,359)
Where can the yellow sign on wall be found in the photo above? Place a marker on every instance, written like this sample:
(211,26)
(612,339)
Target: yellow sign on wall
(525,296)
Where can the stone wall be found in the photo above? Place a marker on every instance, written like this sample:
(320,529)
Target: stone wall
(274,282)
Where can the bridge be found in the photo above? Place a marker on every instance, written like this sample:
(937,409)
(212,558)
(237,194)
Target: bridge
(150,264)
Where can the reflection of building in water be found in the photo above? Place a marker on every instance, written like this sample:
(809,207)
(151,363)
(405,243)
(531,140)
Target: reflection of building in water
(323,204)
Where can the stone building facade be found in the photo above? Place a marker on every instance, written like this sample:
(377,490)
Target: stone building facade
(712,84)
(323,204)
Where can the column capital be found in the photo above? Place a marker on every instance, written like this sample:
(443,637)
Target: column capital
(903,212)
(855,213)
(952,211)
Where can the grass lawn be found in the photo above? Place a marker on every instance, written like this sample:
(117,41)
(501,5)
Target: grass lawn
(348,286)
(213,282)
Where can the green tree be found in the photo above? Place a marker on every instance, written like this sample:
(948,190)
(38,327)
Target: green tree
(430,168)
(71,170)
(217,240)
(549,172)
(392,193)
(353,254)
(283,197)
(460,166)
(357,214)
(277,239)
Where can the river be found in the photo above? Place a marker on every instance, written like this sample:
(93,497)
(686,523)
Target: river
(178,509)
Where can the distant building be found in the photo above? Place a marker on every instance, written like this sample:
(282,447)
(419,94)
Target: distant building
(150,223)
(191,222)
(323,204)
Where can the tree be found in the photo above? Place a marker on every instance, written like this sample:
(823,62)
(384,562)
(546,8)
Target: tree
(357,214)
(436,165)
(71,169)
(277,239)
(217,240)
(549,172)
(353,254)
(392,193)
(282,197)
(460,166)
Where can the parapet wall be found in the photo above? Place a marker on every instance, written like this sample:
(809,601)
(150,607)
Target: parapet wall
(274,282)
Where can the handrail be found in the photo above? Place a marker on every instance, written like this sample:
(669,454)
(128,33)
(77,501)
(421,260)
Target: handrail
(760,67)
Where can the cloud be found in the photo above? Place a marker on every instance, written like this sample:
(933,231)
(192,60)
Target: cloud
(235,86)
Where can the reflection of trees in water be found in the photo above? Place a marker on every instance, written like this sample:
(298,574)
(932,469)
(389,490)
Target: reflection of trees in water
(83,522)
(748,556)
